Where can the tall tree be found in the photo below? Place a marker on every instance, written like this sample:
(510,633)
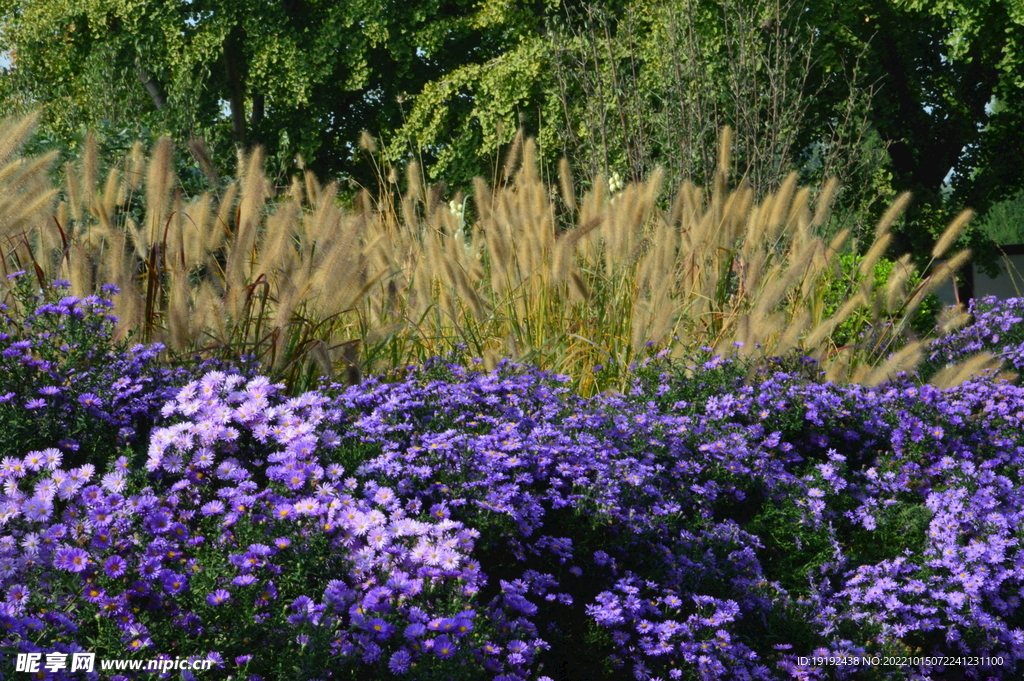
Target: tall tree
(298,76)
(948,104)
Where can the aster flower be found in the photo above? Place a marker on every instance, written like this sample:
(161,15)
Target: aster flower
(71,559)
(444,647)
(218,597)
(115,566)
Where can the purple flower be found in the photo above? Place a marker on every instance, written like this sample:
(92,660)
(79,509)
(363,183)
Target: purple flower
(444,647)
(174,583)
(217,597)
(89,400)
(71,559)
(212,507)
(400,661)
(415,630)
(17,596)
(37,509)
(115,566)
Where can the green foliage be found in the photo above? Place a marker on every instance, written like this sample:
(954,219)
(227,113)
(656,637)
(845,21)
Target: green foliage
(301,77)
(460,122)
(1004,221)
(792,548)
(847,279)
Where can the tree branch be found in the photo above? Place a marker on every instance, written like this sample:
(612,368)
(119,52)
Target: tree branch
(151,87)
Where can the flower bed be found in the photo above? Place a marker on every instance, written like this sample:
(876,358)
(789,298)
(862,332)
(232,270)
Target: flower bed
(455,523)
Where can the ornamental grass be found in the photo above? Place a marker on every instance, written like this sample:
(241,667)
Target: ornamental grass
(581,285)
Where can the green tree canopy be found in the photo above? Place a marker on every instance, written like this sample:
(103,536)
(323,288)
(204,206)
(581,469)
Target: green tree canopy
(298,76)
(891,95)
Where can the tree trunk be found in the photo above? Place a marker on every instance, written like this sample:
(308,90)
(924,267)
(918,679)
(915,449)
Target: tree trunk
(257,110)
(234,68)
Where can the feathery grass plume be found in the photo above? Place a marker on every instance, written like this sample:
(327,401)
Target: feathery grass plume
(221,228)
(952,318)
(579,289)
(935,279)
(80,266)
(771,224)
(14,132)
(159,184)
(210,314)
(197,147)
(795,329)
(512,158)
(276,253)
(781,207)
(796,269)
(414,182)
(814,341)
(566,184)
(255,193)
(905,359)
(140,243)
(336,283)
(871,258)
(892,213)
(724,160)
(896,286)
(799,218)
(955,374)
(115,268)
(435,194)
(836,244)
(367,143)
(129,309)
(820,261)
(321,355)
(72,193)
(26,197)
(529,169)
(174,234)
(89,176)
(105,208)
(824,202)
(178,313)
(199,221)
(301,274)
(50,247)
(134,171)
(952,233)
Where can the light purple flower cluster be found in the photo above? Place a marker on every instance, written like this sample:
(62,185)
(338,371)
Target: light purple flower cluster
(65,383)
(997,326)
(218,527)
